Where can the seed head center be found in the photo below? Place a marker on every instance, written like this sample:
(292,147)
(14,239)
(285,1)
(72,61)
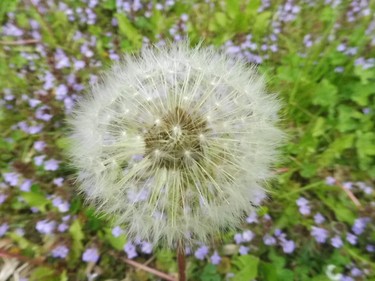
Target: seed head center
(174,142)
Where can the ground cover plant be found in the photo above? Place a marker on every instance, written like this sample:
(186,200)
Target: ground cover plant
(318,221)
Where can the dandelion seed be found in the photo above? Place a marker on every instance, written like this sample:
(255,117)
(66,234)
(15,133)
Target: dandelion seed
(176,144)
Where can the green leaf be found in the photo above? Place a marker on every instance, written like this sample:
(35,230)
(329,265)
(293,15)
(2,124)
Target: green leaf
(340,208)
(77,234)
(325,94)
(109,5)
(268,271)
(221,19)
(360,93)
(262,22)
(247,268)
(253,6)
(116,242)
(288,73)
(127,29)
(95,221)
(37,200)
(365,144)
(335,149)
(319,127)
(63,143)
(43,274)
(308,169)
(365,75)
(348,118)
(64,276)
(233,8)
(165,260)
(210,273)
(6,7)
(75,205)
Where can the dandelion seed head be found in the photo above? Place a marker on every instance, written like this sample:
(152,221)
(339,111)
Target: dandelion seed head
(176,143)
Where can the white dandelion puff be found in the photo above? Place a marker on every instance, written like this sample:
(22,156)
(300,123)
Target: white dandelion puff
(176,143)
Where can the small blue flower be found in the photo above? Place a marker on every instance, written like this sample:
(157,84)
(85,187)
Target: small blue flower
(91,255)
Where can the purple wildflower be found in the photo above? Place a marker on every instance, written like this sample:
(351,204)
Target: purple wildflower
(34,102)
(201,252)
(90,255)
(11,178)
(356,272)
(41,113)
(370,248)
(347,185)
(341,47)
(243,250)
(360,225)
(79,64)
(49,80)
(62,205)
(288,246)
(184,17)
(146,247)
(366,111)
(3,229)
(304,207)
(39,145)
(26,185)
(58,181)
(351,238)
(330,180)
(238,238)
(215,258)
(20,231)
(62,227)
(320,234)
(60,252)
(61,60)
(252,218)
(3,197)
(319,218)
(269,240)
(247,236)
(35,129)
(51,165)
(336,242)
(45,226)
(130,250)
(61,92)
(38,160)
(117,231)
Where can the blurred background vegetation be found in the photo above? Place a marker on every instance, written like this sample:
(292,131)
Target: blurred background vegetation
(318,55)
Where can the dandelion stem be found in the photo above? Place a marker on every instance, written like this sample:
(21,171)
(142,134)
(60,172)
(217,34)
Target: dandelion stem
(181,262)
